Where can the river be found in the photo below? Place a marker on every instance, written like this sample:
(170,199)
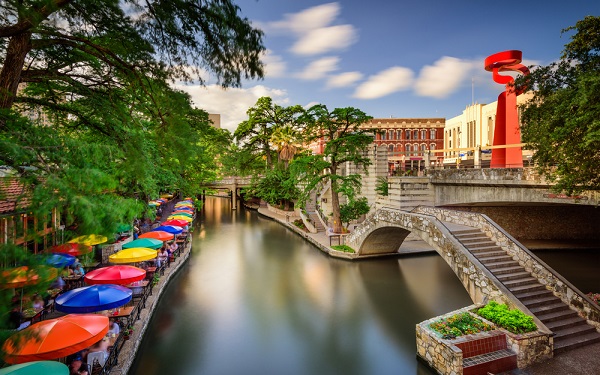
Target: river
(255,298)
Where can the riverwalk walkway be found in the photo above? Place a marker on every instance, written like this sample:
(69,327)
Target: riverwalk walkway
(579,361)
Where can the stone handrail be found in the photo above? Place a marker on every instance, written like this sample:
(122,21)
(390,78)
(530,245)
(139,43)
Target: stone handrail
(561,287)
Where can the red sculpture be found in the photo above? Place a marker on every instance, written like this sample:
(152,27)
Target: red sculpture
(506,131)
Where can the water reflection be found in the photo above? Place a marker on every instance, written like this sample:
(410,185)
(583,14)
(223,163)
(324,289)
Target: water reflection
(258,299)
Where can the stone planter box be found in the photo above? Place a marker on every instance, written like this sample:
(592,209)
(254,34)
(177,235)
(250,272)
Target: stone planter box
(447,357)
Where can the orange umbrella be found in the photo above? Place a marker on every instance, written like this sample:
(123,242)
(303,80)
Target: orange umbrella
(71,248)
(158,235)
(21,276)
(55,338)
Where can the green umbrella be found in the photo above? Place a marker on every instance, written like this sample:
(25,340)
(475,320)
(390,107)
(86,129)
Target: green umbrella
(144,242)
(36,368)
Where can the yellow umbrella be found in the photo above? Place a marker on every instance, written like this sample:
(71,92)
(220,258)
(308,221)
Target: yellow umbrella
(181,217)
(90,239)
(133,255)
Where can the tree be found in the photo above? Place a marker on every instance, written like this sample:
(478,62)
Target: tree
(353,210)
(285,139)
(345,143)
(277,187)
(264,118)
(561,122)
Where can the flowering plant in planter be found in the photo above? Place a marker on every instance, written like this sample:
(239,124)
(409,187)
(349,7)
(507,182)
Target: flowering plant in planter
(458,325)
(595,297)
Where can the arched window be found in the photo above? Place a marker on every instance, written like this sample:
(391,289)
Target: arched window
(432,135)
(423,134)
(423,148)
(383,134)
(407,149)
(407,134)
(416,148)
(416,134)
(391,149)
(432,146)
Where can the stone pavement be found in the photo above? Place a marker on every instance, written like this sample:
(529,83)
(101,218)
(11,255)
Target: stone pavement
(580,361)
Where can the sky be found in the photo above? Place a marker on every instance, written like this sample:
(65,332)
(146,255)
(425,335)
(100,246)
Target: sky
(390,58)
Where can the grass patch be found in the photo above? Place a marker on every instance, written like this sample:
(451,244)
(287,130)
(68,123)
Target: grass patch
(343,248)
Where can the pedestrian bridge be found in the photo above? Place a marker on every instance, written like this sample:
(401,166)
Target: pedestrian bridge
(490,264)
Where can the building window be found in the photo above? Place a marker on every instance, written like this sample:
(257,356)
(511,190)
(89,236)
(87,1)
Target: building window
(432,134)
(432,146)
(416,134)
(408,134)
(423,134)
(416,149)
(423,148)
(383,134)
(407,149)
(391,149)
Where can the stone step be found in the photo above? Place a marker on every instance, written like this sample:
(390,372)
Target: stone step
(489,254)
(549,308)
(540,301)
(513,276)
(566,332)
(473,234)
(507,270)
(496,259)
(521,282)
(465,231)
(573,342)
(479,242)
(531,288)
(556,315)
(558,325)
(532,294)
(483,249)
(496,265)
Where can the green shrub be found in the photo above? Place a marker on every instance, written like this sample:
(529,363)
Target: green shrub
(513,320)
(458,325)
(344,248)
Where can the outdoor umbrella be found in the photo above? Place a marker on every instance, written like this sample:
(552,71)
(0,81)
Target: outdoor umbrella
(21,276)
(93,298)
(36,368)
(181,217)
(55,338)
(169,229)
(158,235)
(121,274)
(90,239)
(184,213)
(150,243)
(185,205)
(153,204)
(176,222)
(74,249)
(59,260)
(133,255)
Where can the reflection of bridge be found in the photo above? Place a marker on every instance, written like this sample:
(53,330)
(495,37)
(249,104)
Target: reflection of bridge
(232,184)
(491,265)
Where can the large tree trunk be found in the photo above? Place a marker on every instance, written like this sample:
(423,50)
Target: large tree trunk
(10,76)
(335,204)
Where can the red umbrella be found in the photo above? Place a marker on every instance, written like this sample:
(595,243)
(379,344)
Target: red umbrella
(74,249)
(176,222)
(120,274)
(158,235)
(55,338)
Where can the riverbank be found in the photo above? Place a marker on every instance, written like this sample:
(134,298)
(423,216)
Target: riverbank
(579,361)
(130,347)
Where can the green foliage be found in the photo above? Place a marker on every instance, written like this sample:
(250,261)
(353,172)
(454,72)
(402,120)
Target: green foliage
(343,248)
(276,187)
(458,325)
(381,187)
(513,320)
(345,143)
(561,122)
(354,209)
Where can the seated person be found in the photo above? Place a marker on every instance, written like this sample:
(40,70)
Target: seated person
(173,247)
(113,327)
(163,255)
(38,302)
(77,367)
(78,269)
(66,272)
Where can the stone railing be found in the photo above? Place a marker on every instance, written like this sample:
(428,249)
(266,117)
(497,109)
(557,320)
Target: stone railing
(562,288)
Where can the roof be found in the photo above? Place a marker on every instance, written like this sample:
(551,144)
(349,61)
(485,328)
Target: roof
(13,195)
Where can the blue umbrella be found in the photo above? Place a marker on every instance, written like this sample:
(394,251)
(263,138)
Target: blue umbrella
(60,260)
(93,298)
(169,229)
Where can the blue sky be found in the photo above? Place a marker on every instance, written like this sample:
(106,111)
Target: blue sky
(391,58)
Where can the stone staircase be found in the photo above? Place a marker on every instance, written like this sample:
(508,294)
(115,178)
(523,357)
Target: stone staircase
(316,222)
(571,331)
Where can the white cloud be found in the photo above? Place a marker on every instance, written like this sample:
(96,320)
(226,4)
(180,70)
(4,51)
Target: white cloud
(442,78)
(344,79)
(275,67)
(384,83)
(319,69)
(306,20)
(325,39)
(232,103)
(314,30)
